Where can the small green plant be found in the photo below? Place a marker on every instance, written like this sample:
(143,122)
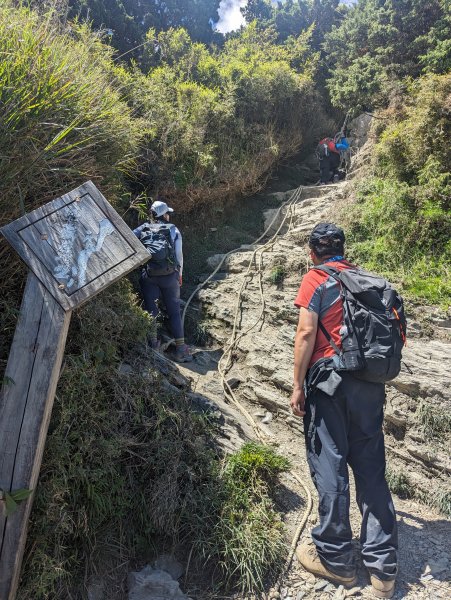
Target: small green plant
(442,501)
(435,424)
(399,483)
(13,499)
(277,274)
(201,334)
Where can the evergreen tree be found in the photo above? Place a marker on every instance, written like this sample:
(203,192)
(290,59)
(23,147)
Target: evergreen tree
(382,41)
(129,20)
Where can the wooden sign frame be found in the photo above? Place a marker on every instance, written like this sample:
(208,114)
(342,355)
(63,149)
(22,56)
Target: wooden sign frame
(74,246)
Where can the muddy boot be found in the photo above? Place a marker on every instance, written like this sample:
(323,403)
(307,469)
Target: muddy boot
(309,559)
(382,589)
(182,354)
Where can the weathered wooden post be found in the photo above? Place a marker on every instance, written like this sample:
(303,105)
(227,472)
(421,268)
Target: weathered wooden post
(75,247)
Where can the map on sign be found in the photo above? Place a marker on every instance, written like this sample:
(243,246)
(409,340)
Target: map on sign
(76,245)
(72,267)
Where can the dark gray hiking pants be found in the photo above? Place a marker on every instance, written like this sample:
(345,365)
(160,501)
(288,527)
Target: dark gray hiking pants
(166,287)
(343,430)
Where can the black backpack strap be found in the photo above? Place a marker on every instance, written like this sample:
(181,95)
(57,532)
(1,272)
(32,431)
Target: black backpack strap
(329,270)
(333,273)
(329,338)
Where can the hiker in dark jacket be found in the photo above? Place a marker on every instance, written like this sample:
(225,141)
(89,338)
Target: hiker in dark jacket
(329,160)
(330,153)
(343,419)
(165,284)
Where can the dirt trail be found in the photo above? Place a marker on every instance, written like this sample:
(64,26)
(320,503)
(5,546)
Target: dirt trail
(261,377)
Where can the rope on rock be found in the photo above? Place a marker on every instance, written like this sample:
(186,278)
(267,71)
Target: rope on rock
(226,361)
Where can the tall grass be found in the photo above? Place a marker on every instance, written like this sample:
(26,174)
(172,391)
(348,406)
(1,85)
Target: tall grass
(62,118)
(244,535)
(62,121)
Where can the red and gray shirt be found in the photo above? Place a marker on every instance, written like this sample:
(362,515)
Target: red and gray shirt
(320,293)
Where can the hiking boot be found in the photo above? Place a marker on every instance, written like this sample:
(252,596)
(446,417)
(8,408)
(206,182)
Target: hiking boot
(309,559)
(182,354)
(382,589)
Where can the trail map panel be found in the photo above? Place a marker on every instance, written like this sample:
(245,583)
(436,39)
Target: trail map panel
(76,245)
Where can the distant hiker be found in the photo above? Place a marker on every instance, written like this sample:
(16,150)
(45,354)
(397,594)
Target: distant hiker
(329,160)
(329,153)
(343,147)
(341,142)
(162,275)
(343,413)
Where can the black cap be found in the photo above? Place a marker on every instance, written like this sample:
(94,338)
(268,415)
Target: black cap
(327,238)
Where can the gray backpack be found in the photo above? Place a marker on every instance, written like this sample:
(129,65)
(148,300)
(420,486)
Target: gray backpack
(373,332)
(157,239)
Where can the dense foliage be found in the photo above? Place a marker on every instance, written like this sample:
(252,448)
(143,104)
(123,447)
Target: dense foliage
(381,42)
(218,121)
(366,49)
(401,224)
(127,21)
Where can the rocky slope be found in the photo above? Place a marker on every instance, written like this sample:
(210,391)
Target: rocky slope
(417,409)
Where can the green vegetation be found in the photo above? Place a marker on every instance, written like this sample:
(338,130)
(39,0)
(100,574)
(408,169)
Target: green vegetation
(401,225)
(218,121)
(442,501)
(439,498)
(128,468)
(122,451)
(399,483)
(379,43)
(435,424)
(128,21)
(277,274)
(248,536)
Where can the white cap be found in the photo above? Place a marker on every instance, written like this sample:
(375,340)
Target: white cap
(160,208)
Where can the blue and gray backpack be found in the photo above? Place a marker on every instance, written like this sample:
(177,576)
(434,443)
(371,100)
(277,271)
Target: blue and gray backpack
(157,238)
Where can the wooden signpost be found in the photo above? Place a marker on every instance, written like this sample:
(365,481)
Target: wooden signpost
(75,247)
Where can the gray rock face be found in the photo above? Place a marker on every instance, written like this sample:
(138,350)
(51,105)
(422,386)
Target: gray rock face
(264,358)
(359,129)
(171,565)
(153,584)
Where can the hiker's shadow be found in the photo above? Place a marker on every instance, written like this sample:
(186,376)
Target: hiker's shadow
(422,551)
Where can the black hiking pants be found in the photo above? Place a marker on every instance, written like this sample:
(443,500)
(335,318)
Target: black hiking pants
(342,430)
(166,287)
(328,166)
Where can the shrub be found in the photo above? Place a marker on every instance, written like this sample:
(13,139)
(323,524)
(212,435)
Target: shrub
(400,224)
(399,484)
(277,274)
(435,424)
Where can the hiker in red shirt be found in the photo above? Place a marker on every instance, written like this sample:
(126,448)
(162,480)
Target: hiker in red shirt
(343,418)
